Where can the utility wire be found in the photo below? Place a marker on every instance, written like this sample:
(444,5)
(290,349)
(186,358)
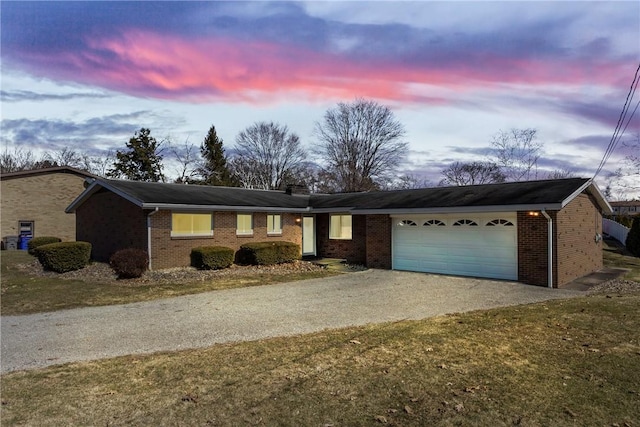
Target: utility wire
(617,133)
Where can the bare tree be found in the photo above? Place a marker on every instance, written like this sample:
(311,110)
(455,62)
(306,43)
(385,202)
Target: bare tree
(360,144)
(517,153)
(16,160)
(186,155)
(560,174)
(472,173)
(66,156)
(267,155)
(100,165)
(624,182)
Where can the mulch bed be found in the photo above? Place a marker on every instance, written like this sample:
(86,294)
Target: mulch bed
(98,272)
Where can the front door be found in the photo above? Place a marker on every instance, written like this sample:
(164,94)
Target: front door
(308,235)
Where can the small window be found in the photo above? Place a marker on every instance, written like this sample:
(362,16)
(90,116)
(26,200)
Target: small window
(407,222)
(274,224)
(468,222)
(434,222)
(503,222)
(340,227)
(245,225)
(191,224)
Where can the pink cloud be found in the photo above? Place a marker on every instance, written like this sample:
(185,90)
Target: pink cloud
(168,67)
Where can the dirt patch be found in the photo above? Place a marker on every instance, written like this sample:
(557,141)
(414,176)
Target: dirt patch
(98,272)
(619,286)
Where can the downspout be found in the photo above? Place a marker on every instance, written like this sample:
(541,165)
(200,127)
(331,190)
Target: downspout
(550,248)
(149,235)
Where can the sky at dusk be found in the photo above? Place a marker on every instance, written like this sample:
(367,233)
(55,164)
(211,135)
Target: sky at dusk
(87,75)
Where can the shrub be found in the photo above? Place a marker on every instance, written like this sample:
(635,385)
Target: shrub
(40,241)
(211,257)
(267,253)
(633,238)
(64,256)
(129,263)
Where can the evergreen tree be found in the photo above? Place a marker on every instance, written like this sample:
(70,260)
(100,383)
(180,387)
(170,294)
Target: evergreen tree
(214,169)
(633,238)
(141,161)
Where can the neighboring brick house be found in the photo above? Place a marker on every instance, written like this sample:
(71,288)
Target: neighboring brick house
(544,233)
(34,201)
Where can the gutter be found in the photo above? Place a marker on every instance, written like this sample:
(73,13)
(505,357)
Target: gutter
(550,248)
(149,234)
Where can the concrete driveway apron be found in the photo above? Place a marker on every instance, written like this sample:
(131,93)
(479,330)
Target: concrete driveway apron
(201,320)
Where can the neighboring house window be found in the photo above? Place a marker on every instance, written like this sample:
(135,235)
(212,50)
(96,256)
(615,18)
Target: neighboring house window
(245,224)
(340,227)
(191,224)
(274,224)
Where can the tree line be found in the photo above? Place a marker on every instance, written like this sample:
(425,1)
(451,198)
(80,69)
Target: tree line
(359,146)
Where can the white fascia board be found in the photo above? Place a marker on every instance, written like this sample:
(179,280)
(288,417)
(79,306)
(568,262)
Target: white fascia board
(459,209)
(183,207)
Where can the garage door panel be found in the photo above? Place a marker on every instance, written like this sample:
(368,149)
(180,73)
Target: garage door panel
(468,250)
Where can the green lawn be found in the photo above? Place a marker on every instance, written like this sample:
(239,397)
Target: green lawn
(23,293)
(573,362)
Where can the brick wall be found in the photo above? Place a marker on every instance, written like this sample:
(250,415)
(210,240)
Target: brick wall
(378,241)
(167,251)
(109,223)
(354,250)
(42,199)
(578,253)
(533,248)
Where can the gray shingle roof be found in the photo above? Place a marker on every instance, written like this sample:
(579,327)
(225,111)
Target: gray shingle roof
(547,194)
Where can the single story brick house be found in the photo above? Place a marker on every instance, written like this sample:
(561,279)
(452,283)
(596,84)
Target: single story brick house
(34,201)
(545,233)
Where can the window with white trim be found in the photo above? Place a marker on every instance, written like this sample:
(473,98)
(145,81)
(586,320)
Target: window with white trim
(407,222)
(340,227)
(245,224)
(274,224)
(185,224)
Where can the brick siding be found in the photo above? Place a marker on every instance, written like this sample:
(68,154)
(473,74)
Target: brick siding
(578,253)
(167,251)
(109,223)
(378,241)
(42,199)
(354,250)
(533,248)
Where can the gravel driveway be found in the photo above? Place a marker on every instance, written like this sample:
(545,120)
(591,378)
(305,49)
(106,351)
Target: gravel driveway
(192,321)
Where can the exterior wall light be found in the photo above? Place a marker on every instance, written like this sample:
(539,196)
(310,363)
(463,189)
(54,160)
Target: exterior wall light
(533,213)
(298,220)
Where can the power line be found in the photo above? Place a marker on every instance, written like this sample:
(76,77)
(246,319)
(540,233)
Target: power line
(617,133)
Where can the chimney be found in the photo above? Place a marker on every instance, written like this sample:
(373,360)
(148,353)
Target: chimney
(296,189)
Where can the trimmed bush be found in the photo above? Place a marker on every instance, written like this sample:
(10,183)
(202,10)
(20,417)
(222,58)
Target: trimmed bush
(39,241)
(268,253)
(129,263)
(633,238)
(211,257)
(64,256)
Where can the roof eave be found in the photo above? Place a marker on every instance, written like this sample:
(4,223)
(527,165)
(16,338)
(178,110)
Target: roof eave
(591,188)
(459,209)
(93,188)
(190,207)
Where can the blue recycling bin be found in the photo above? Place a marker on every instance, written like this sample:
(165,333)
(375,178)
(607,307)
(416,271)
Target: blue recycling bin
(23,242)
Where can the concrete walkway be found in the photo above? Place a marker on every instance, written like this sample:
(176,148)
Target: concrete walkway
(194,321)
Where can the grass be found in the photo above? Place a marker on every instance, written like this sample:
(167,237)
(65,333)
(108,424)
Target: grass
(24,294)
(572,362)
(615,255)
